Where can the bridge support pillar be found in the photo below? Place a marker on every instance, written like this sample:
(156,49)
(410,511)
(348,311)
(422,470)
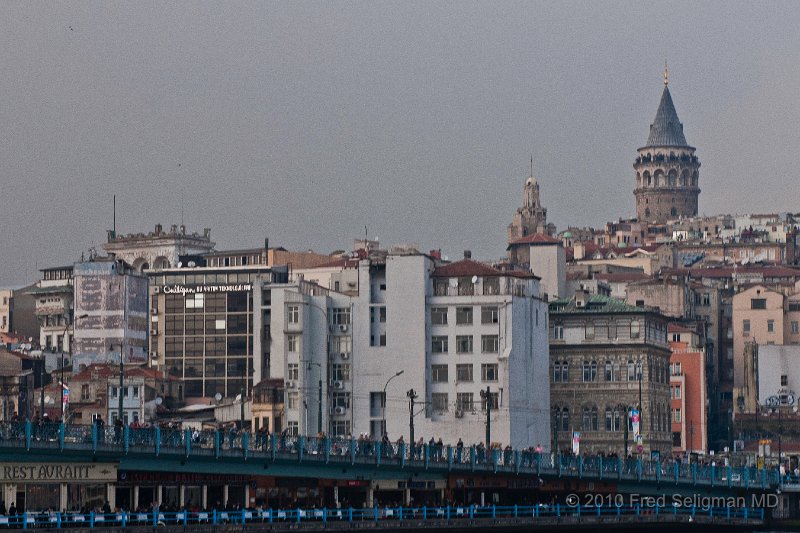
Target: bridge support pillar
(225,494)
(159,495)
(204,497)
(370,498)
(111,495)
(407,497)
(9,494)
(62,497)
(246,503)
(135,498)
(182,495)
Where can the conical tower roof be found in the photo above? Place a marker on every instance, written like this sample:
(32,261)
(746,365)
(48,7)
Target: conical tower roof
(666,129)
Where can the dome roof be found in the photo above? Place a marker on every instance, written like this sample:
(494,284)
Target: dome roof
(666,129)
(568,234)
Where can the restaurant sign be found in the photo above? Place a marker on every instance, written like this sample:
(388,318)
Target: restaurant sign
(204,289)
(57,472)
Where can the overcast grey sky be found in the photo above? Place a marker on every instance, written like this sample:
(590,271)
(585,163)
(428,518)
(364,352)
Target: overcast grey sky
(303,122)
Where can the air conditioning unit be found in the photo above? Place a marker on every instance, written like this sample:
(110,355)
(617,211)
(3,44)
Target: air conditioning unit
(459,413)
(343,328)
(290,384)
(339,410)
(156,289)
(338,384)
(345,355)
(153,355)
(153,311)
(153,331)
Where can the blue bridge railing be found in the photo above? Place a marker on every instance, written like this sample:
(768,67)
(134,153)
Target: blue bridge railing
(419,515)
(261,446)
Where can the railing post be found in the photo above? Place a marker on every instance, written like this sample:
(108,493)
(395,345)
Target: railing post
(213,516)
(188,438)
(600,468)
(694,473)
(639,469)
(538,463)
(677,471)
(217,444)
(472,455)
(730,475)
(378,452)
(494,511)
(449,457)
(125,518)
(619,468)
(126,431)
(746,476)
(246,445)
(273,443)
(375,512)
(327,446)
(580,467)
(349,514)
(658,472)
(764,478)
(516,461)
(58,520)
(94,438)
(61,436)
(325,514)
(91,514)
(352,451)
(25,520)
(301,447)
(157,440)
(495,459)
(558,459)
(713,471)
(426,451)
(401,449)
(424,512)
(516,511)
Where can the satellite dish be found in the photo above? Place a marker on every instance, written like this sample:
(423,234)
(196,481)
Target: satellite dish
(238,397)
(192,264)
(48,400)
(180,264)
(453,283)
(218,396)
(159,400)
(474,279)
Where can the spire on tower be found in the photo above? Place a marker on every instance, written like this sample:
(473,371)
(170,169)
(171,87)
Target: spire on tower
(666,74)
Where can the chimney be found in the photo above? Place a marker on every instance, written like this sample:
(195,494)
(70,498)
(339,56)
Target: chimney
(581,297)
(158,229)
(578,251)
(266,243)
(467,254)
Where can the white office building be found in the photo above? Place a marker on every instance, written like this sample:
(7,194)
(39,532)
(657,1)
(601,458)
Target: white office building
(447,332)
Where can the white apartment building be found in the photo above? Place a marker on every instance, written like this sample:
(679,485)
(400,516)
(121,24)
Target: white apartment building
(446,332)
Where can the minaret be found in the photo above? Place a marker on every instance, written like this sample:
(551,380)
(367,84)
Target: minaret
(667,170)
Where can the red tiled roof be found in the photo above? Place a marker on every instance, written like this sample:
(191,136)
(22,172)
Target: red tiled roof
(621,277)
(727,271)
(672,327)
(470,267)
(537,239)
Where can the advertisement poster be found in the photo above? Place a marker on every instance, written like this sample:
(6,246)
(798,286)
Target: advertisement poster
(576,442)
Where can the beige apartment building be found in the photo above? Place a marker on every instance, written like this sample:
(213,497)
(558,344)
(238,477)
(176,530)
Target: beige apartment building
(761,316)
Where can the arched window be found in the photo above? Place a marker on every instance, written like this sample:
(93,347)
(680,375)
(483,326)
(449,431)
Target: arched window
(565,419)
(609,371)
(564,371)
(673,212)
(609,419)
(631,370)
(557,371)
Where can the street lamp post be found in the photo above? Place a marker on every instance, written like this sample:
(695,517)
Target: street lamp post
(487,397)
(412,395)
(69,348)
(383,421)
(319,397)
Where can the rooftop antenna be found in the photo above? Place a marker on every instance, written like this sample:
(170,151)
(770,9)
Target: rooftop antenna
(114,227)
(366,238)
(666,74)
(531,165)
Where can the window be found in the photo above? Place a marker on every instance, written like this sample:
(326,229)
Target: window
(491,286)
(382,315)
(439,344)
(489,372)
(340,371)
(464,372)
(794,327)
(558,332)
(439,402)
(589,371)
(589,330)
(464,344)
(746,326)
(589,418)
(340,316)
(85,392)
(706,299)
(464,401)
(293,314)
(292,400)
(489,315)
(784,380)
(556,371)
(612,330)
(758,303)
(631,370)
(341,428)
(490,343)
(293,428)
(292,343)
(463,316)
(293,372)
(609,371)
(613,419)
(565,419)
(677,394)
(634,329)
(341,399)
(677,416)
(439,373)
(770,326)
(439,316)
(494,398)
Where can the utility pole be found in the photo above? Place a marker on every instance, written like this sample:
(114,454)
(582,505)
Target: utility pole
(241,402)
(487,397)
(121,377)
(319,405)
(412,395)
(41,383)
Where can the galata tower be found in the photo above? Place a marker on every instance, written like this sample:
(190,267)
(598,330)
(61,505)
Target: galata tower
(667,170)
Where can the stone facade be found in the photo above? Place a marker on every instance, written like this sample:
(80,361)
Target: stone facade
(606,358)
(667,169)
